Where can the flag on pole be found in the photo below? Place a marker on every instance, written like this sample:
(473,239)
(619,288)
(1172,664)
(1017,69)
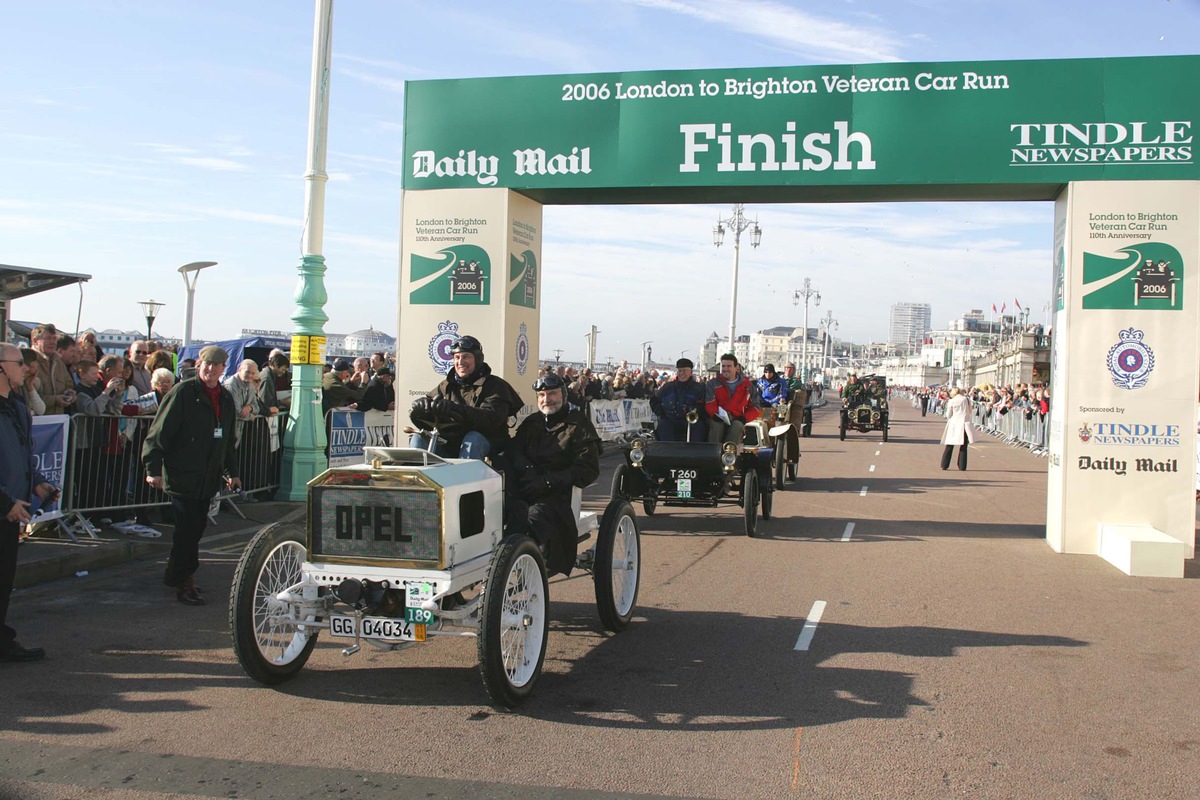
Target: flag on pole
(1002,307)
(1018,302)
(994,308)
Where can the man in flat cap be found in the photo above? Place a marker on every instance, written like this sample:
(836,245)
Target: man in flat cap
(672,403)
(188,454)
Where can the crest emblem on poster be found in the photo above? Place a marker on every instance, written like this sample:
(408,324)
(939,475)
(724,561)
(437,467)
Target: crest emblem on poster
(439,346)
(1085,434)
(522,350)
(1130,361)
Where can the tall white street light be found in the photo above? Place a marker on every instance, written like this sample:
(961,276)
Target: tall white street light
(646,350)
(737,222)
(808,292)
(831,325)
(193,268)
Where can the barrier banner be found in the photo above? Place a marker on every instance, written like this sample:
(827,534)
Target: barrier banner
(637,413)
(352,431)
(609,418)
(50,459)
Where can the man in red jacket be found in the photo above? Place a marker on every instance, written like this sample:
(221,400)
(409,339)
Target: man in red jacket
(731,400)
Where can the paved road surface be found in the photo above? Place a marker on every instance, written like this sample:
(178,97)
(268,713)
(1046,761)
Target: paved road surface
(955,656)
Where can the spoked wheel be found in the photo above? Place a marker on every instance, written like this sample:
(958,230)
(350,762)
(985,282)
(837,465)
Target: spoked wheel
(842,432)
(620,483)
(768,500)
(780,461)
(268,643)
(791,472)
(885,430)
(618,567)
(750,500)
(512,636)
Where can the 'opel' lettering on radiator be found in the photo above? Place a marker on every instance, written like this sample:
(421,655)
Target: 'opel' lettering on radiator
(376,523)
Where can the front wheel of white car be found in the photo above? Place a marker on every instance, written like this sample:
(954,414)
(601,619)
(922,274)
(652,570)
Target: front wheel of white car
(269,643)
(617,571)
(513,632)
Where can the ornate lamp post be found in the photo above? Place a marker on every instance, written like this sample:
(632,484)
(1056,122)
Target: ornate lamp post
(808,292)
(304,440)
(831,325)
(150,309)
(193,268)
(737,222)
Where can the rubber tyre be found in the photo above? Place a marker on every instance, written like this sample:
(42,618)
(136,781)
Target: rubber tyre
(750,501)
(269,651)
(842,432)
(513,632)
(768,501)
(618,567)
(649,505)
(620,483)
(780,461)
(791,472)
(885,431)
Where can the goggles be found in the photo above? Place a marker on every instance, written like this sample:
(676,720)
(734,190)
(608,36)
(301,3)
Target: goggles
(548,382)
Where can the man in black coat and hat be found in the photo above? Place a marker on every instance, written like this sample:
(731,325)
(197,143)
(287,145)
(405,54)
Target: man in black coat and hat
(551,453)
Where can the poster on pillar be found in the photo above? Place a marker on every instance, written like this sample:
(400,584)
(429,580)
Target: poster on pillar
(470,264)
(1127,362)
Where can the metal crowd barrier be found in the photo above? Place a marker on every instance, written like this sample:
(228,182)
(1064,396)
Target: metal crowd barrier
(1013,427)
(105,472)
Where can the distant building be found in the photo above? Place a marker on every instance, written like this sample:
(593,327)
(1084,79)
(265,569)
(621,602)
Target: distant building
(769,346)
(117,342)
(909,323)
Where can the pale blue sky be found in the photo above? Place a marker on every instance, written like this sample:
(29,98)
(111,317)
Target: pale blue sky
(136,136)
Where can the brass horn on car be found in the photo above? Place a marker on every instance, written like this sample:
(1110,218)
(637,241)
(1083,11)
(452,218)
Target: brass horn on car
(693,417)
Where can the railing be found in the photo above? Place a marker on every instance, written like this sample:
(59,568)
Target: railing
(104,469)
(1015,427)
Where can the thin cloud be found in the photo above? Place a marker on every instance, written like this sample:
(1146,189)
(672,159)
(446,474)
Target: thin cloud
(216,164)
(788,28)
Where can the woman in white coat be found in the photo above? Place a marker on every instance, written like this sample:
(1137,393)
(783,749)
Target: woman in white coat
(958,428)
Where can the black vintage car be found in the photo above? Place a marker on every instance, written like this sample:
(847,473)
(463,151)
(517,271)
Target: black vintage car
(867,410)
(700,474)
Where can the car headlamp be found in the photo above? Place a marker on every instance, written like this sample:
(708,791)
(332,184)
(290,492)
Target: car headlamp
(729,454)
(637,451)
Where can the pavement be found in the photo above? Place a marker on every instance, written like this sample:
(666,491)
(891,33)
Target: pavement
(53,555)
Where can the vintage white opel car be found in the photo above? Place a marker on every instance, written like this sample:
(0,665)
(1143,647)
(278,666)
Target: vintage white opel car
(408,547)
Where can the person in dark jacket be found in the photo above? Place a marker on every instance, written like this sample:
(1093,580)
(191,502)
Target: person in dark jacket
(672,403)
(551,453)
(379,396)
(189,452)
(475,402)
(335,391)
(19,481)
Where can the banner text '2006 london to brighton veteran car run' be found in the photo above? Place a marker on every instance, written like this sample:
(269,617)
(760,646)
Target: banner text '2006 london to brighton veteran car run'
(716,145)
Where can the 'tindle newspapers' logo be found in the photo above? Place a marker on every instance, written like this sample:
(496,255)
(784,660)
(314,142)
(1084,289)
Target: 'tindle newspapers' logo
(1056,144)
(1144,277)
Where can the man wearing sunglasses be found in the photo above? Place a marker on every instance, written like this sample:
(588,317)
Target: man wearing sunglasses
(138,352)
(19,481)
(550,453)
(471,406)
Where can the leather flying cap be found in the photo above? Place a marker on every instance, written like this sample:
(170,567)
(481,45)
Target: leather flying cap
(548,382)
(342,365)
(468,344)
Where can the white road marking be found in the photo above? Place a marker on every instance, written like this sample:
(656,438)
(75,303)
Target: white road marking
(810,625)
(849,530)
(872,469)
(863,493)
(876,452)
